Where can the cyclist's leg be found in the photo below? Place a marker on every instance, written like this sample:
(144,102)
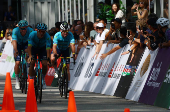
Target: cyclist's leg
(54,62)
(16,67)
(66,54)
(32,64)
(43,56)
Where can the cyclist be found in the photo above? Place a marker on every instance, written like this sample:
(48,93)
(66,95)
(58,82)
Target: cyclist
(61,42)
(164,31)
(39,42)
(20,42)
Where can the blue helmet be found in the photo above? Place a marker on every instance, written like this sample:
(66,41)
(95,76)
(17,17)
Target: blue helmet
(22,23)
(41,26)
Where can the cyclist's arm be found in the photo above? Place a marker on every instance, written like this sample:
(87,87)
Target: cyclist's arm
(30,44)
(72,47)
(55,42)
(15,45)
(29,51)
(72,43)
(48,46)
(54,48)
(14,39)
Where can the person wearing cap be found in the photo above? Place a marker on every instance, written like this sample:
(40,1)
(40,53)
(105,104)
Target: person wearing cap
(114,33)
(124,41)
(20,37)
(104,21)
(99,38)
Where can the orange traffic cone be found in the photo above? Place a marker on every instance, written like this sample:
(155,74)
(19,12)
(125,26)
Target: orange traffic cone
(31,104)
(8,100)
(71,103)
(127,110)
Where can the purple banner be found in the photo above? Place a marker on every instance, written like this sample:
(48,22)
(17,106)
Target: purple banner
(156,77)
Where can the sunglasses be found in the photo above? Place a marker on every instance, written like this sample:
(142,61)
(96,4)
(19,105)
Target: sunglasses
(141,2)
(65,31)
(41,31)
(99,28)
(76,30)
(23,28)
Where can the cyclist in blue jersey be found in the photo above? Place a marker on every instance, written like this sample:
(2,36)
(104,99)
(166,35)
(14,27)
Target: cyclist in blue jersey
(39,42)
(20,42)
(61,42)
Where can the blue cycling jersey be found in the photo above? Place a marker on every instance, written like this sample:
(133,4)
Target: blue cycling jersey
(16,35)
(63,42)
(39,43)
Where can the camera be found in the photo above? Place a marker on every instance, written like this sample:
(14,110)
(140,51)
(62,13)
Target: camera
(113,25)
(9,34)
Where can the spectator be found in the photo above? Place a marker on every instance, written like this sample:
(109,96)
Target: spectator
(81,23)
(152,40)
(142,13)
(8,32)
(57,26)
(99,38)
(54,30)
(166,9)
(87,29)
(113,33)
(76,37)
(51,33)
(164,31)
(132,39)
(10,15)
(93,33)
(124,41)
(80,33)
(118,13)
(104,21)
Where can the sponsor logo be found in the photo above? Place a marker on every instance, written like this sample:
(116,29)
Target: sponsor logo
(89,69)
(79,68)
(167,78)
(154,76)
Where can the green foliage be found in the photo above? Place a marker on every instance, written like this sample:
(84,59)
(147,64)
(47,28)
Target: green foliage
(105,12)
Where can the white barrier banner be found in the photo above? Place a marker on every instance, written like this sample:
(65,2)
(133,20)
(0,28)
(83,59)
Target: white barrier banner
(80,62)
(7,61)
(141,74)
(101,73)
(89,70)
(114,74)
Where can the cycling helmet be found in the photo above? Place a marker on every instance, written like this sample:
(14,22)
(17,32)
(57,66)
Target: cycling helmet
(41,26)
(163,22)
(22,23)
(64,26)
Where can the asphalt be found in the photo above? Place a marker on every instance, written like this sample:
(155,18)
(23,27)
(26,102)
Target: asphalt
(85,101)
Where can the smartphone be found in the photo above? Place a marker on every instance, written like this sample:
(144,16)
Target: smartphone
(139,27)
(144,30)
(128,33)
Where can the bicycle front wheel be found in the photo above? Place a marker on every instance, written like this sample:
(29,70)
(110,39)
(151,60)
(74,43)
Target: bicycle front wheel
(40,86)
(65,83)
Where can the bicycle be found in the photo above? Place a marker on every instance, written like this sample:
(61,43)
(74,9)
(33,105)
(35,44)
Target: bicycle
(23,73)
(63,77)
(38,80)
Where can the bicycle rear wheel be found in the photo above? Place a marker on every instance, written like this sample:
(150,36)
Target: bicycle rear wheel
(65,83)
(60,82)
(25,79)
(40,86)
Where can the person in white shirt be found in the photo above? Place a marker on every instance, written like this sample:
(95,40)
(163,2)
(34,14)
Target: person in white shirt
(99,38)
(104,21)
(118,13)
